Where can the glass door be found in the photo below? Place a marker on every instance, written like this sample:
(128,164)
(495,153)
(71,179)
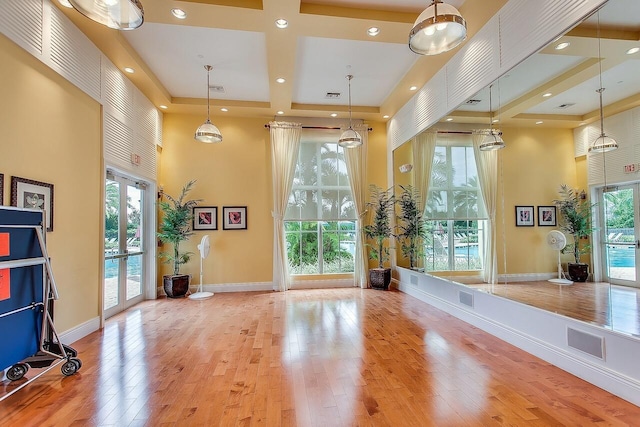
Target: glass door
(620,209)
(123,244)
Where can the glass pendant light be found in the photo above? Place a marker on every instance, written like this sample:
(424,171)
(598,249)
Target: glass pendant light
(350,138)
(493,140)
(603,143)
(116,14)
(438,29)
(208,132)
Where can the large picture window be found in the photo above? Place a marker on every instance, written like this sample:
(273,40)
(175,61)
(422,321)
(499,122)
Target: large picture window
(320,222)
(455,213)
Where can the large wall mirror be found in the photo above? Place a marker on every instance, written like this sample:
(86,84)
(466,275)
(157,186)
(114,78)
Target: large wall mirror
(548,110)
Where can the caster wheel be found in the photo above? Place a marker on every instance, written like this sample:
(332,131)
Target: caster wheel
(17,371)
(77,362)
(69,367)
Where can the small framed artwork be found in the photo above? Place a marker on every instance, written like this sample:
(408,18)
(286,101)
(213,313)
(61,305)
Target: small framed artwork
(524,216)
(234,218)
(1,189)
(205,218)
(26,193)
(547,216)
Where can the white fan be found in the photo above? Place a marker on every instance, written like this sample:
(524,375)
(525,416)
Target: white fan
(557,241)
(203,247)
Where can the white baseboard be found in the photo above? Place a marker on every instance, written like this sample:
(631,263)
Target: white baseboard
(82,330)
(320,284)
(229,287)
(526,277)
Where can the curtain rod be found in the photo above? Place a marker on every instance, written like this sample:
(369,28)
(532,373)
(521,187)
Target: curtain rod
(461,132)
(267,126)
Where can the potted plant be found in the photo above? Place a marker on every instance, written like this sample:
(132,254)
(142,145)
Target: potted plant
(381,207)
(175,227)
(410,225)
(574,212)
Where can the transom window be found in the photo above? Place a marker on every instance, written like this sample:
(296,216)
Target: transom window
(320,221)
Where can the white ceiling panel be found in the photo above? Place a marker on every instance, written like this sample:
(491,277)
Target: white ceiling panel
(323,64)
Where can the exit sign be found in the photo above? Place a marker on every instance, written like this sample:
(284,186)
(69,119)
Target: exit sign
(631,168)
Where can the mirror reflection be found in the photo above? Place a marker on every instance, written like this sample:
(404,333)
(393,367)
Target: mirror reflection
(501,221)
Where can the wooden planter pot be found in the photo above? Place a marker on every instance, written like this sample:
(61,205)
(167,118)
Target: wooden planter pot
(379,278)
(176,286)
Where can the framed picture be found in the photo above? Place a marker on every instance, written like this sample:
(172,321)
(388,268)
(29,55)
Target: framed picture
(205,218)
(234,218)
(547,216)
(26,193)
(1,189)
(524,216)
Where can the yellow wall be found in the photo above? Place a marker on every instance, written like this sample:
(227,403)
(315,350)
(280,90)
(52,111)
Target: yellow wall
(236,172)
(534,164)
(51,133)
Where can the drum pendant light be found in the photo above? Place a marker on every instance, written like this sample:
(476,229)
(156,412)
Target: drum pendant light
(438,29)
(116,14)
(493,140)
(208,132)
(350,138)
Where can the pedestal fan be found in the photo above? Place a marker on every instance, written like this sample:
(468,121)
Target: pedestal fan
(557,241)
(203,247)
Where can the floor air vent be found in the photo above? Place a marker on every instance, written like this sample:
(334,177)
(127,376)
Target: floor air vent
(587,343)
(465,298)
(413,279)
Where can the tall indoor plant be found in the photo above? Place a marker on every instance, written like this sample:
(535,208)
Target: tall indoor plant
(175,227)
(381,208)
(574,212)
(410,225)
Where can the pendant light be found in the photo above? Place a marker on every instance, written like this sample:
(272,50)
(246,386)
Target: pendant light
(493,140)
(603,143)
(438,29)
(350,138)
(116,14)
(208,132)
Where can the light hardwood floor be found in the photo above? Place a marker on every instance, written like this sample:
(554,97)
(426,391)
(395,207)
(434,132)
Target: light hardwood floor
(339,357)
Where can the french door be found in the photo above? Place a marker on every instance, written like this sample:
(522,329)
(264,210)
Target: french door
(620,209)
(124,252)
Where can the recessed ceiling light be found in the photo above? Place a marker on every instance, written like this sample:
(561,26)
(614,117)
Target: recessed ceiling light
(179,13)
(495,120)
(280,112)
(65,3)
(386,116)
(281,23)
(373,31)
(539,122)
(546,95)
(280,80)
(334,114)
(563,45)
(413,88)
(129,70)
(224,110)
(164,107)
(449,119)
(633,50)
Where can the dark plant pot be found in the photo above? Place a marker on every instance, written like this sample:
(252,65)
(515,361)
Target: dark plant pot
(380,278)
(176,286)
(578,272)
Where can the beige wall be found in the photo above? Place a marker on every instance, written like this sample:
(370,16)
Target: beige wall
(236,172)
(534,164)
(51,133)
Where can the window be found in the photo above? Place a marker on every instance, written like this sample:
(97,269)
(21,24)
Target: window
(455,212)
(320,221)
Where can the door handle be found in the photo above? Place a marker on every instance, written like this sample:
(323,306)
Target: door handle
(637,244)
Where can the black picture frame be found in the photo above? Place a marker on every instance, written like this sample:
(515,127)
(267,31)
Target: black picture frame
(547,216)
(205,218)
(27,193)
(234,218)
(525,216)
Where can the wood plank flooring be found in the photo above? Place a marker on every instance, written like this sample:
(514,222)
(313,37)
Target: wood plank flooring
(339,357)
(610,306)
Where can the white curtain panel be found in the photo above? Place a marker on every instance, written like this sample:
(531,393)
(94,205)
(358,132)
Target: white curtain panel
(285,145)
(423,147)
(356,159)
(487,165)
